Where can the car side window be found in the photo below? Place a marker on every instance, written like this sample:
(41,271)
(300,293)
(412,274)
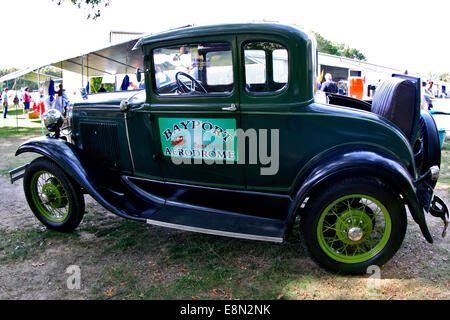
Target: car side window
(266,67)
(193,69)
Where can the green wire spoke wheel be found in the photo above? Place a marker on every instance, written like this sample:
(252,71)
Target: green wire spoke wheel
(357,233)
(353,224)
(49,196)
(52,196)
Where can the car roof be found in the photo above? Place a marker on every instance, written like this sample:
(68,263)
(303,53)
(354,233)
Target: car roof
(286,31)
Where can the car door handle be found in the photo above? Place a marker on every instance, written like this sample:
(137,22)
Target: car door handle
(230,108)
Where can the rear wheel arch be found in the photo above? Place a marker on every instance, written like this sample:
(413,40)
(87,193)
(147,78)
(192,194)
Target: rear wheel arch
(398,179)
(335,177)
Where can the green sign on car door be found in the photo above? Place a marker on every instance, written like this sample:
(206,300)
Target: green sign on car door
(208,139)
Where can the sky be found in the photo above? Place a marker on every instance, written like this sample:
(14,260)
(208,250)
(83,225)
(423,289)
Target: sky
(412,35)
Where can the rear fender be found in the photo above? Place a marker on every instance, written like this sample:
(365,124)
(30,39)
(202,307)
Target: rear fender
(356,163)
(70,159)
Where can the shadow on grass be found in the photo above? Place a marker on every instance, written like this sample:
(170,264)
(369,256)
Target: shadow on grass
(8,131)
(155,263)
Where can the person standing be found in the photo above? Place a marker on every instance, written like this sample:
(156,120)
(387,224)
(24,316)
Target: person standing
(102,88)
(329,86)
(26,100)
(5,102)
(59,99)
(428,95)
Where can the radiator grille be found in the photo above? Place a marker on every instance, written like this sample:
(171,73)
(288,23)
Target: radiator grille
(100,141)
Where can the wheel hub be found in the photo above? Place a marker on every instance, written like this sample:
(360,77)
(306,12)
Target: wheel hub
(52,193)
(354,226)
(355,234)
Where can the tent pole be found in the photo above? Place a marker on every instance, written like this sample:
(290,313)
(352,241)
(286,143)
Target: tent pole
(62,82)
(87,71)
(17,107)
(40,102)
(82,71)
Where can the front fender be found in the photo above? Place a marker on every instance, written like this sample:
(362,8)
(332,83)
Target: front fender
(357,163)
(70,159)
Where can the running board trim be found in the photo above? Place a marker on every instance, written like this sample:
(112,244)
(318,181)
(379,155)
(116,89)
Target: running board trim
(214,232)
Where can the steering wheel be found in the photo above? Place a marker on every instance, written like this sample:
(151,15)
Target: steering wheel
(184,88)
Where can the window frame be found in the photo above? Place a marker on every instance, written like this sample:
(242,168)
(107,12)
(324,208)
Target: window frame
(190,42)
(244,80)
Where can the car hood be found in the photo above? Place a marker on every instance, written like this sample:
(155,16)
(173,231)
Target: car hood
(112,98)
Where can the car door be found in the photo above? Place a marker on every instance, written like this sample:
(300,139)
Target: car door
(195,110)
(267,94)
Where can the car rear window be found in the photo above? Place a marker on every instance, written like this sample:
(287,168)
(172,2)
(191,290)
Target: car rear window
(266,66)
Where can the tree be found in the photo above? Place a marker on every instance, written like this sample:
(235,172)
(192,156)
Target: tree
(94,6)
(337,49)
(7,71)
(444,76)
(95,84)
(20,82)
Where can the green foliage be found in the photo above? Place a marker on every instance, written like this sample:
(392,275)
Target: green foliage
(444,76)
(21,83)
(51,71)
(95,84)
(93,5)
(7,71)
(337,49)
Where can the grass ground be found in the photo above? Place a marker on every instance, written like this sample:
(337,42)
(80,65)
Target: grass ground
(122,259)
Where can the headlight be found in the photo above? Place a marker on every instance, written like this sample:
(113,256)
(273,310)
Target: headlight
(53,120)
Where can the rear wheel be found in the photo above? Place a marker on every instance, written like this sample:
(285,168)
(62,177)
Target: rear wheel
(355,224)
(54,199)
(427,149)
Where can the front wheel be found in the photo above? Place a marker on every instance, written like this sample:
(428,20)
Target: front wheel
(54,198)
(353,224)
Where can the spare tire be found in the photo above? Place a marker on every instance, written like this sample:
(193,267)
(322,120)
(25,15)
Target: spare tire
(427,148)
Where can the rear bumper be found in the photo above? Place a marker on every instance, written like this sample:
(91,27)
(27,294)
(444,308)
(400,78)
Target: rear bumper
(17,173)
(430,202)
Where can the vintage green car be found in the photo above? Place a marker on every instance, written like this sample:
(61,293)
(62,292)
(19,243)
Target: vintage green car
(227,139)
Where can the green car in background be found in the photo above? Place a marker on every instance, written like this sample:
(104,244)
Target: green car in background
(227,139)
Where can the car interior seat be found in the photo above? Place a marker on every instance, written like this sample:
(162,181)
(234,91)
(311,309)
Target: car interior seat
(395,100)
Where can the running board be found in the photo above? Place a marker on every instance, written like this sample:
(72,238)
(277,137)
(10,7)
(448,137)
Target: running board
(219,223)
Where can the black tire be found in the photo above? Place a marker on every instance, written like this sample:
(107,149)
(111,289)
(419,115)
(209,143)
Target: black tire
(427,148)
(49,191)
(325,202)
